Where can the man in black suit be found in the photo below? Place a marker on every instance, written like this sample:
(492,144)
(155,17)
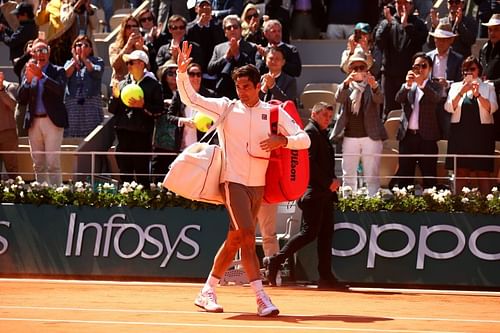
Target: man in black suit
(227,56)
(272,32)
(317,201)
(42,90)
(420,132)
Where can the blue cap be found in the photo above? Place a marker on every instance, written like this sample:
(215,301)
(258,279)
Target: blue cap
(363,27)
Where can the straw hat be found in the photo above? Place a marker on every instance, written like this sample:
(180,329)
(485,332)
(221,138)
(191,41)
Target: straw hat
(443,30)
(494,20)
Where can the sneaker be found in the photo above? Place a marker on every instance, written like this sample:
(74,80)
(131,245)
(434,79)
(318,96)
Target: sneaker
(208,301)
(265,308)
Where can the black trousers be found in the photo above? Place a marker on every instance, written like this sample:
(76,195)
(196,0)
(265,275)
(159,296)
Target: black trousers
(134,167)
(391,85)
(317,223)
(414,144)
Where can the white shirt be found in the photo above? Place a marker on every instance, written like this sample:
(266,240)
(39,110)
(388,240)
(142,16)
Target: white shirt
(440,65)
(189,133)
(414,116)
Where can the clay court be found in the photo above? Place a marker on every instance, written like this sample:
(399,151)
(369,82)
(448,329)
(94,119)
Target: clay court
(127,307)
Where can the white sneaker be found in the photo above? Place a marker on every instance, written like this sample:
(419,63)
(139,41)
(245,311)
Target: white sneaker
(208,301)
(265,308)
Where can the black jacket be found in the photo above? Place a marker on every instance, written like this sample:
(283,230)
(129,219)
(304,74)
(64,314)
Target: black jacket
(16,40)
(138,119)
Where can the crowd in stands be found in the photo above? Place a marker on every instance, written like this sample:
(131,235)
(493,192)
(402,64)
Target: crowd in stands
(445,93)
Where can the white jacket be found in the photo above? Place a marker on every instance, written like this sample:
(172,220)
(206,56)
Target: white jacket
(241,132)
(486,90)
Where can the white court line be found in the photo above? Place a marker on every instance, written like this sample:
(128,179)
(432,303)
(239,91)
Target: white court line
(280,327)
(45,308)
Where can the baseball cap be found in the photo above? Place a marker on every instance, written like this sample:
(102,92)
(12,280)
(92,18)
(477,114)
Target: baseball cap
(137,55)
(23,8)
(363,27)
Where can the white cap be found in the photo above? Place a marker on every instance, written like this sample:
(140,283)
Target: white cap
(137,55)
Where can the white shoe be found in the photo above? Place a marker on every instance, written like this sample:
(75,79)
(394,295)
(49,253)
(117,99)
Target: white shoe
(208,301)
(265,308)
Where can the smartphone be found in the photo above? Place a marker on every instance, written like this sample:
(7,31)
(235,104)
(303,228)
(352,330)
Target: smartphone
(468,78)
(359,77)
(41,35)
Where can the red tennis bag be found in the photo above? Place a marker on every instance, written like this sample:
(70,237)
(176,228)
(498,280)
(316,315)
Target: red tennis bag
(287,175)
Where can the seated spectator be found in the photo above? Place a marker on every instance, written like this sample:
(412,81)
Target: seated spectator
(472,103)
(127,40)
(170,50)
(42,90)
(26,31)
(464,26)
(8,133)
(272,32)
(227,56)
(276,84)
(134,123)
(83,94)
(176,130)
(250,25)
(359,124)
(420,132)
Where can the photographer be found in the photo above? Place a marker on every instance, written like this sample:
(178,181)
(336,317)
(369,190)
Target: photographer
(360,40)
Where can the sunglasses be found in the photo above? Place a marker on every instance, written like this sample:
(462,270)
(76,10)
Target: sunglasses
(232,27)
(251,16)
(359,68)
(82,45)
(470,69)
(130,62)
(194,74)
(170,73)
(145,19)
(176,27)
(419,66)
(43,50)
(131,26)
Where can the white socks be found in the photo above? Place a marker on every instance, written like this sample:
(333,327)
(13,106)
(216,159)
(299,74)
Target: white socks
(257,286)
(210,284)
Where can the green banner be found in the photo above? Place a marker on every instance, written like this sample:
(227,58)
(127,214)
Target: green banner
(132,242)
(421,249)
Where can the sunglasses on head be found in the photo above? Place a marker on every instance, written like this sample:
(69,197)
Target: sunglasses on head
(82,45)
(131,26)
(251,16)
(144,19)
(232,27)
(194,74)
(176,27)
(419,66)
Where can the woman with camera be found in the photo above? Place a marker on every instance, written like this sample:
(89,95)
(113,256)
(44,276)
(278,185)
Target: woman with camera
(471,103)
(83,94)
(359,124)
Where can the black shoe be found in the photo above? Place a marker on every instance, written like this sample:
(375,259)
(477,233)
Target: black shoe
(273,265)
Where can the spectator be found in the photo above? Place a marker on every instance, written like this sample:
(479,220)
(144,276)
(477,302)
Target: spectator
(308,19)
(19,64)
(489,57)
(279,10)
(83,94)
(485,10)
(127,40)
(472,103)
(446,69)
(230,55)
(8,133)
(206,32)
(134,124)
(251,25)
(177,28)
(317,202)
(272,32)
(223,8)
(166,75)
(361,40)
(152,34)
(423,8)
(42,90)
(176,130)
(360,124)
(465,27)
(27,30)
(276,84)
(247,149)
(163,9)
(398,37)
(419,97)
(343,15)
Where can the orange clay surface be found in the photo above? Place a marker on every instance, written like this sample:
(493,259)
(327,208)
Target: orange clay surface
(40,306)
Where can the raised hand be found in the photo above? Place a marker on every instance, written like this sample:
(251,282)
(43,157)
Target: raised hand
(184,60)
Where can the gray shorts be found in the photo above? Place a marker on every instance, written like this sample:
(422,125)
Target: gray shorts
(242,203)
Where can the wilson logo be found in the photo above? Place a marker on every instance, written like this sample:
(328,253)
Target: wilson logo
(294,162)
